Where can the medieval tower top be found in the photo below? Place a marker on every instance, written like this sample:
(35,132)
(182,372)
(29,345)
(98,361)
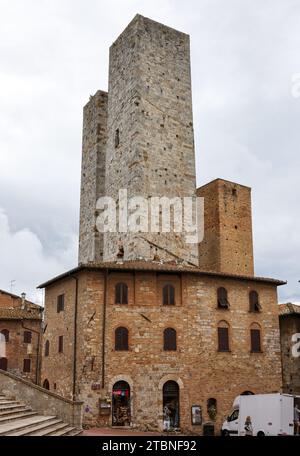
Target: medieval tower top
(139,137)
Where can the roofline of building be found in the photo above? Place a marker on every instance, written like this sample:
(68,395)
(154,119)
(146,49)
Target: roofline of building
(156,267)
(12,295)
(224,180)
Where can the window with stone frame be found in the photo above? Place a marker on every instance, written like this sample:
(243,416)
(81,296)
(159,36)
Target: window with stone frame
(223,337)
(121,293)
(254,305)
(121,339)
(60,303)
(255,337)
(222,298)
(170,342)
(169,295)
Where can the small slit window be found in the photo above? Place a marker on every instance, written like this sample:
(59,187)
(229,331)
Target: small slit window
(117,138)
(61,344)
(60,303)
(47,348)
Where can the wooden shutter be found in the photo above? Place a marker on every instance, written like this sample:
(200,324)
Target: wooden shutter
(170,339)
(168,295)
(27,337)
(255,341)
(121,339)
(223,339)
(121,293)
(60,344)
(27,365)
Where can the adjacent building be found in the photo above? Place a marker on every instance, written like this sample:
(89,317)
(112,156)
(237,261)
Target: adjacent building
(289,317)
(20,336)
(150,331)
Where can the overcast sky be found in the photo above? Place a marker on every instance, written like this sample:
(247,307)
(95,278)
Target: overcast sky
(54,54)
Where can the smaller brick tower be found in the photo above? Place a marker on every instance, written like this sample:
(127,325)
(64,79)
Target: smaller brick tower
(227,245)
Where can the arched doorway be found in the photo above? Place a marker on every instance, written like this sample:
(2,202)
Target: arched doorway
(46,384)
(171,405)
(121,413)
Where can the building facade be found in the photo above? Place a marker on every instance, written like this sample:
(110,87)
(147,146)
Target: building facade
(20,336)
(289,317)
(150,331)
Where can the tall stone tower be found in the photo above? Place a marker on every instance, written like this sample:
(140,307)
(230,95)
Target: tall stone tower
(148,140)
(92,176)
(227,245)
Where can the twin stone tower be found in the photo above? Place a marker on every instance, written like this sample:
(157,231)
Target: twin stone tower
(139,136)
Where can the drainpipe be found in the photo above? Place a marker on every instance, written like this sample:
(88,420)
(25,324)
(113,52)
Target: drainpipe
(104,326)
(37,367)
(75,338)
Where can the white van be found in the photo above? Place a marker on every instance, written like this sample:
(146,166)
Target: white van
(271,414)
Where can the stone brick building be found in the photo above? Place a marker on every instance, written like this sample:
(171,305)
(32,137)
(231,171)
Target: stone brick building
(289,317)
(20,336)
(150,331)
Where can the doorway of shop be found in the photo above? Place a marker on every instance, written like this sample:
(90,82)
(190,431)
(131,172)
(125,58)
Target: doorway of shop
(121,413)
(171,406)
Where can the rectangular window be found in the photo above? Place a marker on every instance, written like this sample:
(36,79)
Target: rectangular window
(223,339)
(27,337)
(26,365)
(255,341)
(61,344)
(60,303)
(117,138)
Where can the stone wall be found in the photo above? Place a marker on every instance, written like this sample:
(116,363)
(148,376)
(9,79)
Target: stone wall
(227,245)
(41,401)
(199,369)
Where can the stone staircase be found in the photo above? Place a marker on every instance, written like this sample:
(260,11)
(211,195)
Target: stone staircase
(17,418)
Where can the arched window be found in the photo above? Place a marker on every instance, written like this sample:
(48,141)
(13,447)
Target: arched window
(5,333)
(247,393)
(254,305)
(46,384)
(223,302)
(121,296)
(168,295)
(255,336)
(47,348)
(121,339)
(170,339)
(223,336)
(3,364)
(212,408)
(121,410)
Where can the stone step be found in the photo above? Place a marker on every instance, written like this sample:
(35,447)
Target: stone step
(11,407)
(26,423)
(39,429)
(74,433)
(16,416)
(58,428)
(8,401)
(14,410)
